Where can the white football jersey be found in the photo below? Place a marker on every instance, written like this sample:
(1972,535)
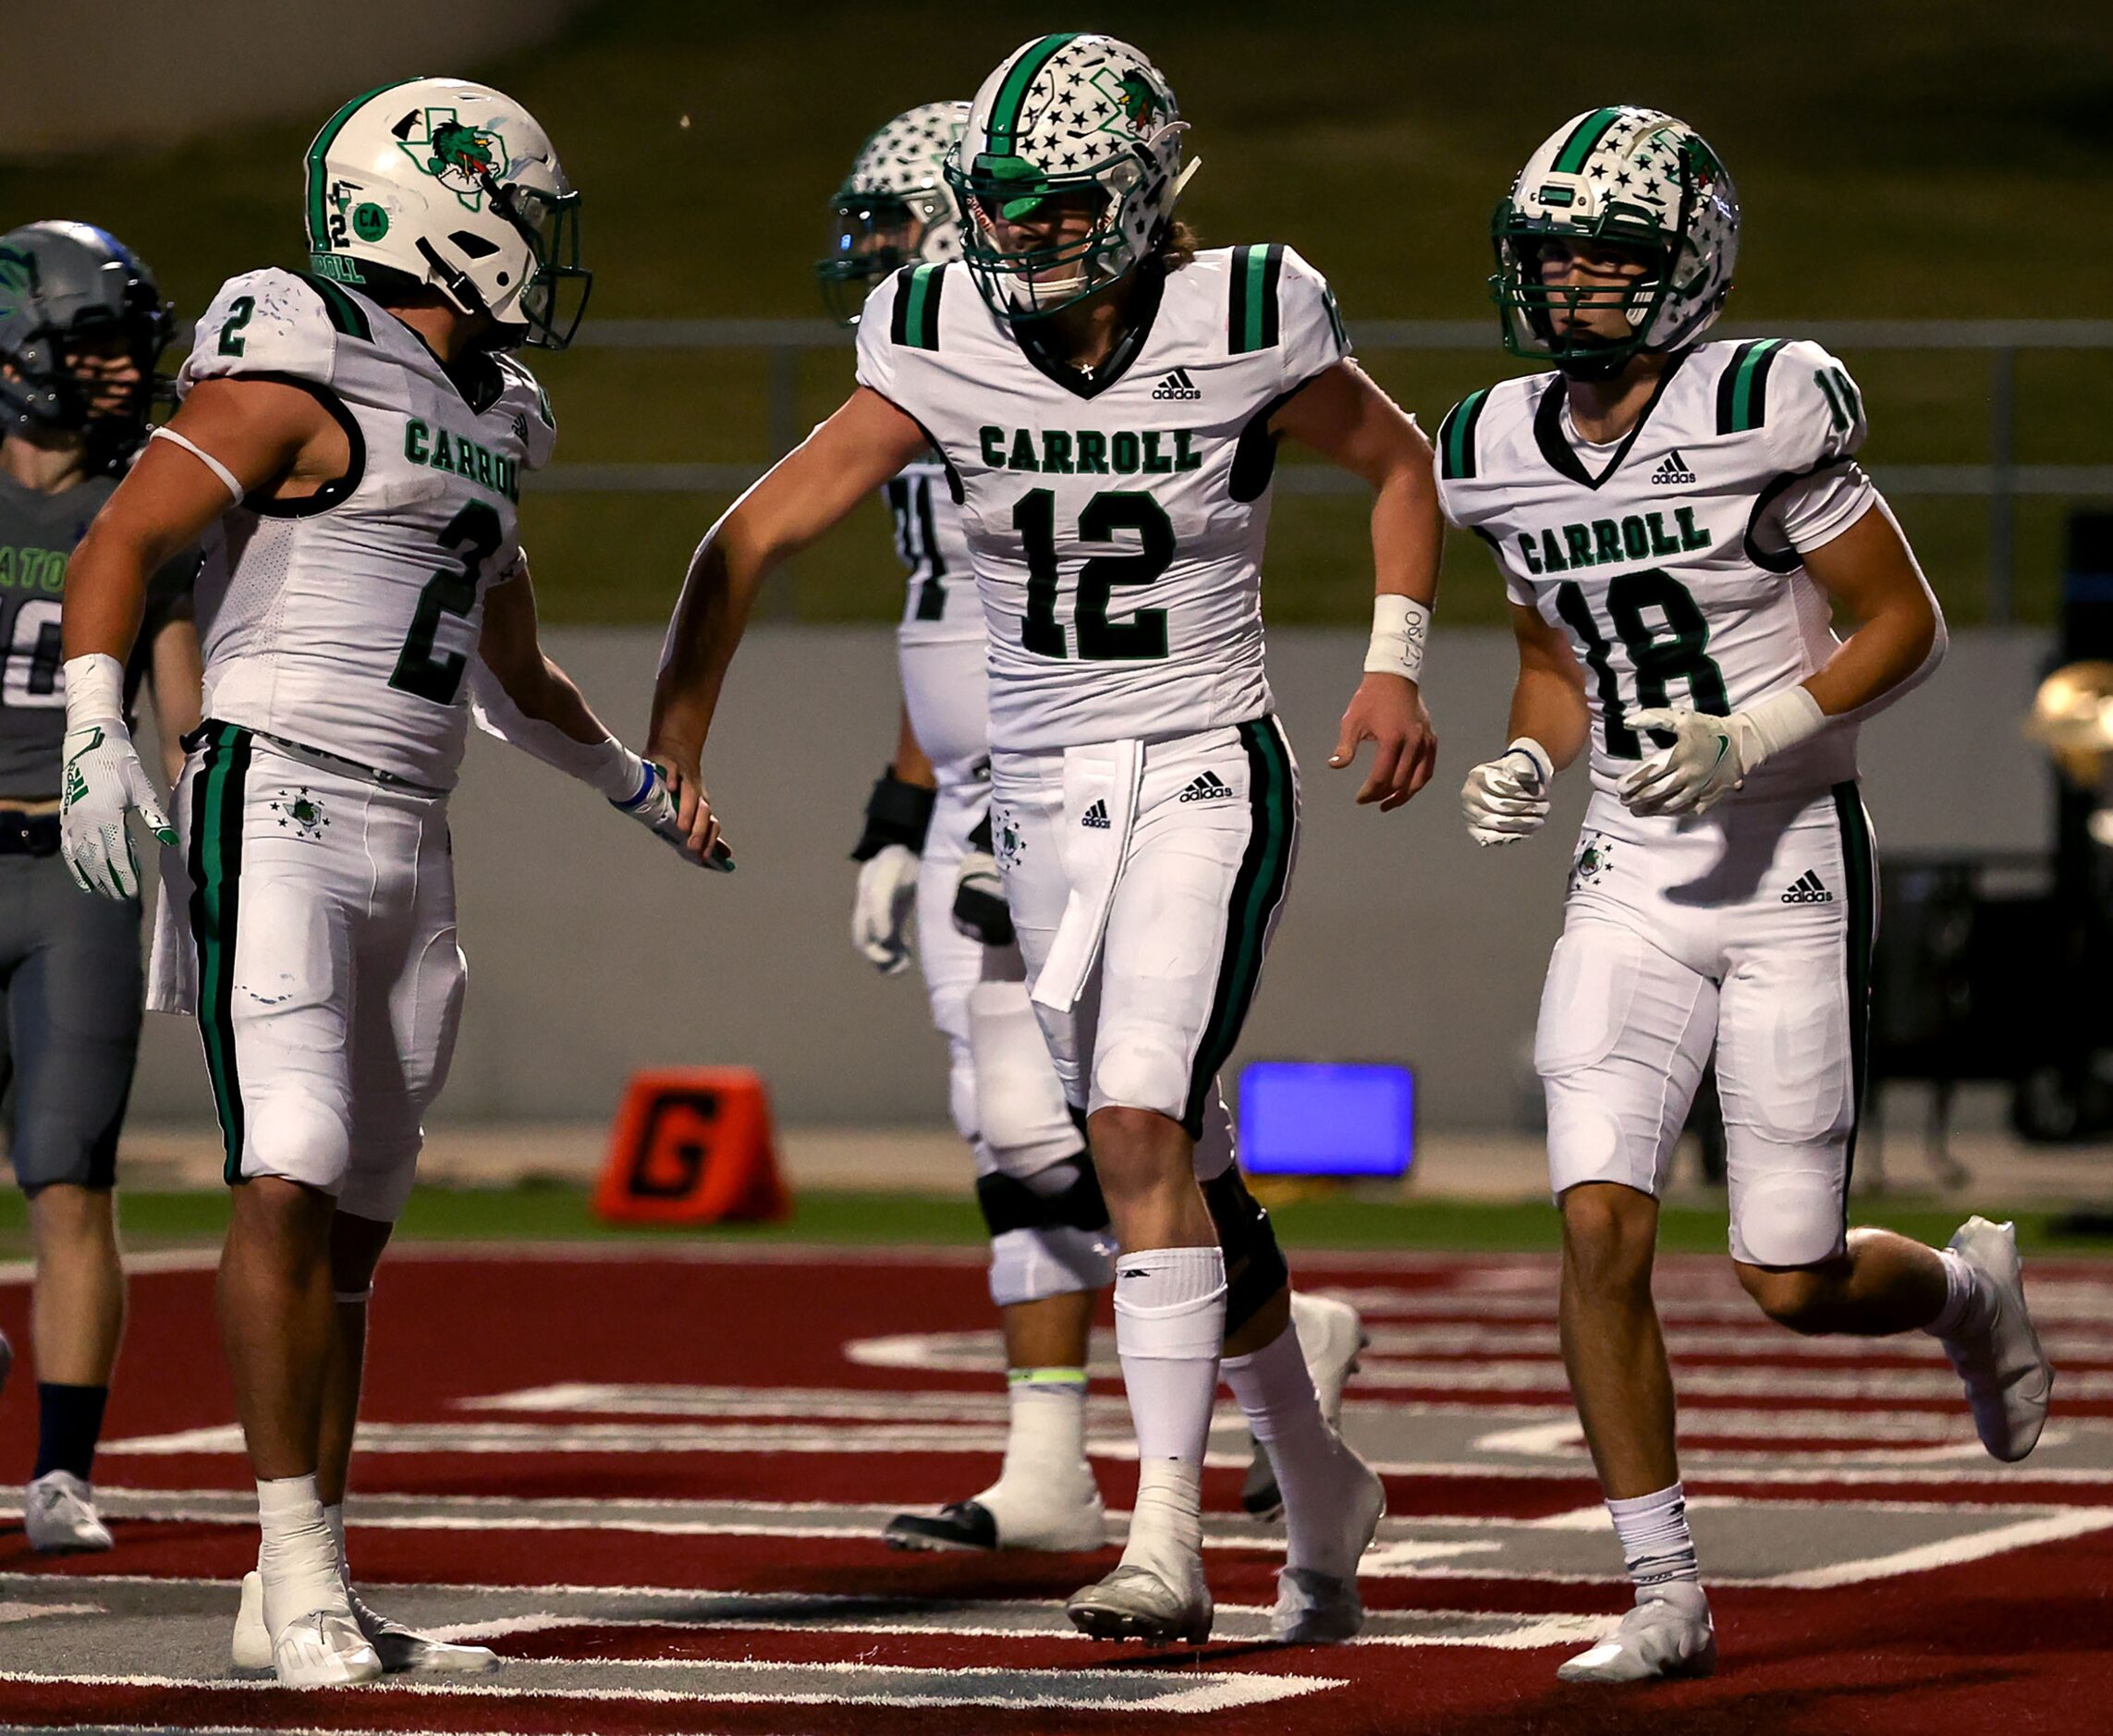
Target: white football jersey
(941,607)
(1671,558)
(345,622)
(1115,519)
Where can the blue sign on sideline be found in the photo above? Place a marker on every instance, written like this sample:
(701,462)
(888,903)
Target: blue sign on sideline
(1327,1119)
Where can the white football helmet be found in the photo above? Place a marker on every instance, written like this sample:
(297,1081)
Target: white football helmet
(1073,112)
(1642,180)
(894,207)
(452,184)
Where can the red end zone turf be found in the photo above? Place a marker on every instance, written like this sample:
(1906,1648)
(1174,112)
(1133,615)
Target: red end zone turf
(654,1483)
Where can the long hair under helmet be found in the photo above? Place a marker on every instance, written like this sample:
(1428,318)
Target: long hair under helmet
(1066,115)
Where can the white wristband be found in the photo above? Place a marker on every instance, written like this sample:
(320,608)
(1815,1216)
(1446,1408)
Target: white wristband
(94,689)
(1784,719)
(1399,626)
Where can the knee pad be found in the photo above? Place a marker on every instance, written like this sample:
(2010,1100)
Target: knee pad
(1049,1232)
(1020,1110)
(295,1135)
(1033,1264)
(1254,1265)
(1787,1216)
(1138,1070)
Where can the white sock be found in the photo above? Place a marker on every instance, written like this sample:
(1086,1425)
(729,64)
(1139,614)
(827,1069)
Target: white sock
(1170,1325)
(1655,1540)
(1963,1311)
(1275,1392)
(299,1557)
(1046,1442)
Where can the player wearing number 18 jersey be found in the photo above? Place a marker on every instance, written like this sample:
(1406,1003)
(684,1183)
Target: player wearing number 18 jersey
(1109,402)
(1676,521)
(355,439)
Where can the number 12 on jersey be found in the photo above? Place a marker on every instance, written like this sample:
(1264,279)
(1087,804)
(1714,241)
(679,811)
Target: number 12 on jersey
(1107,514)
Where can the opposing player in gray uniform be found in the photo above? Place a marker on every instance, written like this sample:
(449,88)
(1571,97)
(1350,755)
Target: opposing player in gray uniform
(358,435)
(81,328)
(1676,522)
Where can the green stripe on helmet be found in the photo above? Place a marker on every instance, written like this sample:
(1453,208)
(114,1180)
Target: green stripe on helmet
(1013,94)
(318,180)
(1571,159)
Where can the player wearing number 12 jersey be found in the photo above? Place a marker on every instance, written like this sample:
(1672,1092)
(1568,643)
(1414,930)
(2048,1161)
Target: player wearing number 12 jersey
(1676,521)
(355,438)
(1109,402)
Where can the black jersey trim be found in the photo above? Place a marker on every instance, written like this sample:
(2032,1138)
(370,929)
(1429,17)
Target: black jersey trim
(347,316)
(336,491)
(1151,285)
(1556,444)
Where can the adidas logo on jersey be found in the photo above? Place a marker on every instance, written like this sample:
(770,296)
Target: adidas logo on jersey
(1807,889)
(1096,817)
(1209,787)
(1673,473)
(1178,384)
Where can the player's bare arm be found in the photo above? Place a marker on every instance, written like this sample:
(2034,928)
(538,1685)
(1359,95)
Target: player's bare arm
(810,490)
(1872,575)
(1507,797)
(231,438)
(521,695)
(1347,419)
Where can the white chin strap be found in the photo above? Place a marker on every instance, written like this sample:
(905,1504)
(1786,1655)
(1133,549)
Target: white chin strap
(1181,181)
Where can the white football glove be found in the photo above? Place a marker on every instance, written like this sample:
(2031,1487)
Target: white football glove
(653,808)
(1506,798)
(101,782)
(880,911)
(1713,756)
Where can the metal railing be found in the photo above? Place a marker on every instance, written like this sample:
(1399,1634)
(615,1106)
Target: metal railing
(2002,482)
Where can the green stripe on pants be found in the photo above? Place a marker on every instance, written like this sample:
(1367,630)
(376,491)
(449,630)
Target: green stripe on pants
(215,876)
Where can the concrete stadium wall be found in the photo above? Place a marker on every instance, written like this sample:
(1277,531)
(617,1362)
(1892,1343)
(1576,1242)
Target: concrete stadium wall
(592,951)
(154,72)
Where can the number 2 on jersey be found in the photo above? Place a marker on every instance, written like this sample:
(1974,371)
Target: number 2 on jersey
(451,591)
(1141,638)
(1677,652)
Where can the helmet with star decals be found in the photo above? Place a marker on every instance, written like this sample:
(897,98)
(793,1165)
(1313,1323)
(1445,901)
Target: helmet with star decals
(1636,180)
(893,208)
(1072,117)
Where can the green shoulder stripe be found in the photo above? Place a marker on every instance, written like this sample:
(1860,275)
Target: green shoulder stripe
(916,321)
(345,314)
(1251,318)
(1456,436)
(1742,392)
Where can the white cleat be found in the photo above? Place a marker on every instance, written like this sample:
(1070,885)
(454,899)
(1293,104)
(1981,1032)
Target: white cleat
(2009,1379)
(1331,1337)
(324,1649)
(1137,1603)
(1316,1608)
(59,1513)
(1668,1633)
(401,1649)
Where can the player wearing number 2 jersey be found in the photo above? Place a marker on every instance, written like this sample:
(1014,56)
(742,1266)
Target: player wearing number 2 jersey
(356,439)
(1676,521)
(1108,402)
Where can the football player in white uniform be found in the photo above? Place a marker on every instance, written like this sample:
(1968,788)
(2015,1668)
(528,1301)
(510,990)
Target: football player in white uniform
(1676,521)
(1107,403)
(354,438)
(926,848)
